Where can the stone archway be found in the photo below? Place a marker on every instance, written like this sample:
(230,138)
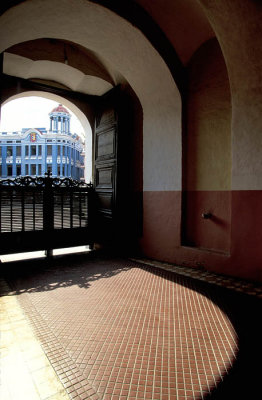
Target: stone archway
(126,50)
(127,54)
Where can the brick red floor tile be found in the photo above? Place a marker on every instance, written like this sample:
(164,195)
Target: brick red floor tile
(115,329)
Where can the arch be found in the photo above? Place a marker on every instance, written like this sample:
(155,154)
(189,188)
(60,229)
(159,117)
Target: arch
(66,76)
(207,149)
(79,114)
(126,50)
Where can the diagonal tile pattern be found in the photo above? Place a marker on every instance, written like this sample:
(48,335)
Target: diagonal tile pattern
(117,329)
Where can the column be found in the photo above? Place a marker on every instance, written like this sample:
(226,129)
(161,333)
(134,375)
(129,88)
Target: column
(14,160)
(66,131)
(68,125)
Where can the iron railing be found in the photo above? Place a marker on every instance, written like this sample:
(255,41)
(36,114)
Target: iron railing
(48,205)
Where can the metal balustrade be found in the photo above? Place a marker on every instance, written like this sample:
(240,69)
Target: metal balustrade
(51,210)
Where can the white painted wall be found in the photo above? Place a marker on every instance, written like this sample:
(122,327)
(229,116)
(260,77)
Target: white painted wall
(74,79)
(126,51)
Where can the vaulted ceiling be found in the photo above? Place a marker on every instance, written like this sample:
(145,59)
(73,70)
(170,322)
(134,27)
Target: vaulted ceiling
(183,22)
(176,28)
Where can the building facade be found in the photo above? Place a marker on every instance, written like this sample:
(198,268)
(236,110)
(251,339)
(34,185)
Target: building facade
(35,151)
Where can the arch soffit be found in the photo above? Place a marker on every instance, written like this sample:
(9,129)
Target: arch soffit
(126,50)
(65,75)
(40,46)
(91,26)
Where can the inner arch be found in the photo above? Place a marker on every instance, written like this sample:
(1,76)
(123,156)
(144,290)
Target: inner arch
(78,113)
(126,50)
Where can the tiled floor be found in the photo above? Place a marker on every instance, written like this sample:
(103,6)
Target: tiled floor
(115,329)
(26,373)
(240,285)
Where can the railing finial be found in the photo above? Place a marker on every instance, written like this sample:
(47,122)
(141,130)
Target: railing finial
(48,174)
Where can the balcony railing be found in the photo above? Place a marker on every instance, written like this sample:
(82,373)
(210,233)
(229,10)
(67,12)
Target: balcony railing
(57,212)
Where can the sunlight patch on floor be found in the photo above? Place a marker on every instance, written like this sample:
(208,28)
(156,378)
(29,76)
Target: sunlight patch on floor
(71,250)
(26,372)
(41,254)
(22,256)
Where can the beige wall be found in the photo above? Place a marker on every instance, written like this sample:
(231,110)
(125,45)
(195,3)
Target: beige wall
(208,132)
(124,49)
(208,152)
(238,27)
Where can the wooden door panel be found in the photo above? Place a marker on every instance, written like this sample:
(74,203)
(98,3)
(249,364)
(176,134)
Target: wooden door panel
(106,114)
(105,168)
(118,169)
(105,144)
(104,176)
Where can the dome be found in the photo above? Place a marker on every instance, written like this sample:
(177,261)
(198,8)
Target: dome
(60,109)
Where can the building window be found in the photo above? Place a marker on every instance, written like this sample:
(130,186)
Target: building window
(9,170)
(9,151)
(33,150)
(26,150)
(49,168)
(63,150)
(18,151)
(18,170)
(26,169)
(39,150)
(58,170)
(33,169)
(49,150)
(0,151)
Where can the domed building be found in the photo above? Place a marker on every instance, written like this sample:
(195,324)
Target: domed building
(60,118)
(35,151)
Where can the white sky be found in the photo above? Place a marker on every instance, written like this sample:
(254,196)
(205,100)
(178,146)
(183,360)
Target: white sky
(32,112)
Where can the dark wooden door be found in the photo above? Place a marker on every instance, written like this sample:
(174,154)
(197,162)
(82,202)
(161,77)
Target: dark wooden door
(118,170)
(105,167)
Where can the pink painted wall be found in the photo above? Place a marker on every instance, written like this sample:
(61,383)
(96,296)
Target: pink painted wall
(162,235)
(161,224)
(208,151)
(213,233)
(223,166)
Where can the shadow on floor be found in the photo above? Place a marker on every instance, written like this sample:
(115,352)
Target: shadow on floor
(66,270)
(243,380)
